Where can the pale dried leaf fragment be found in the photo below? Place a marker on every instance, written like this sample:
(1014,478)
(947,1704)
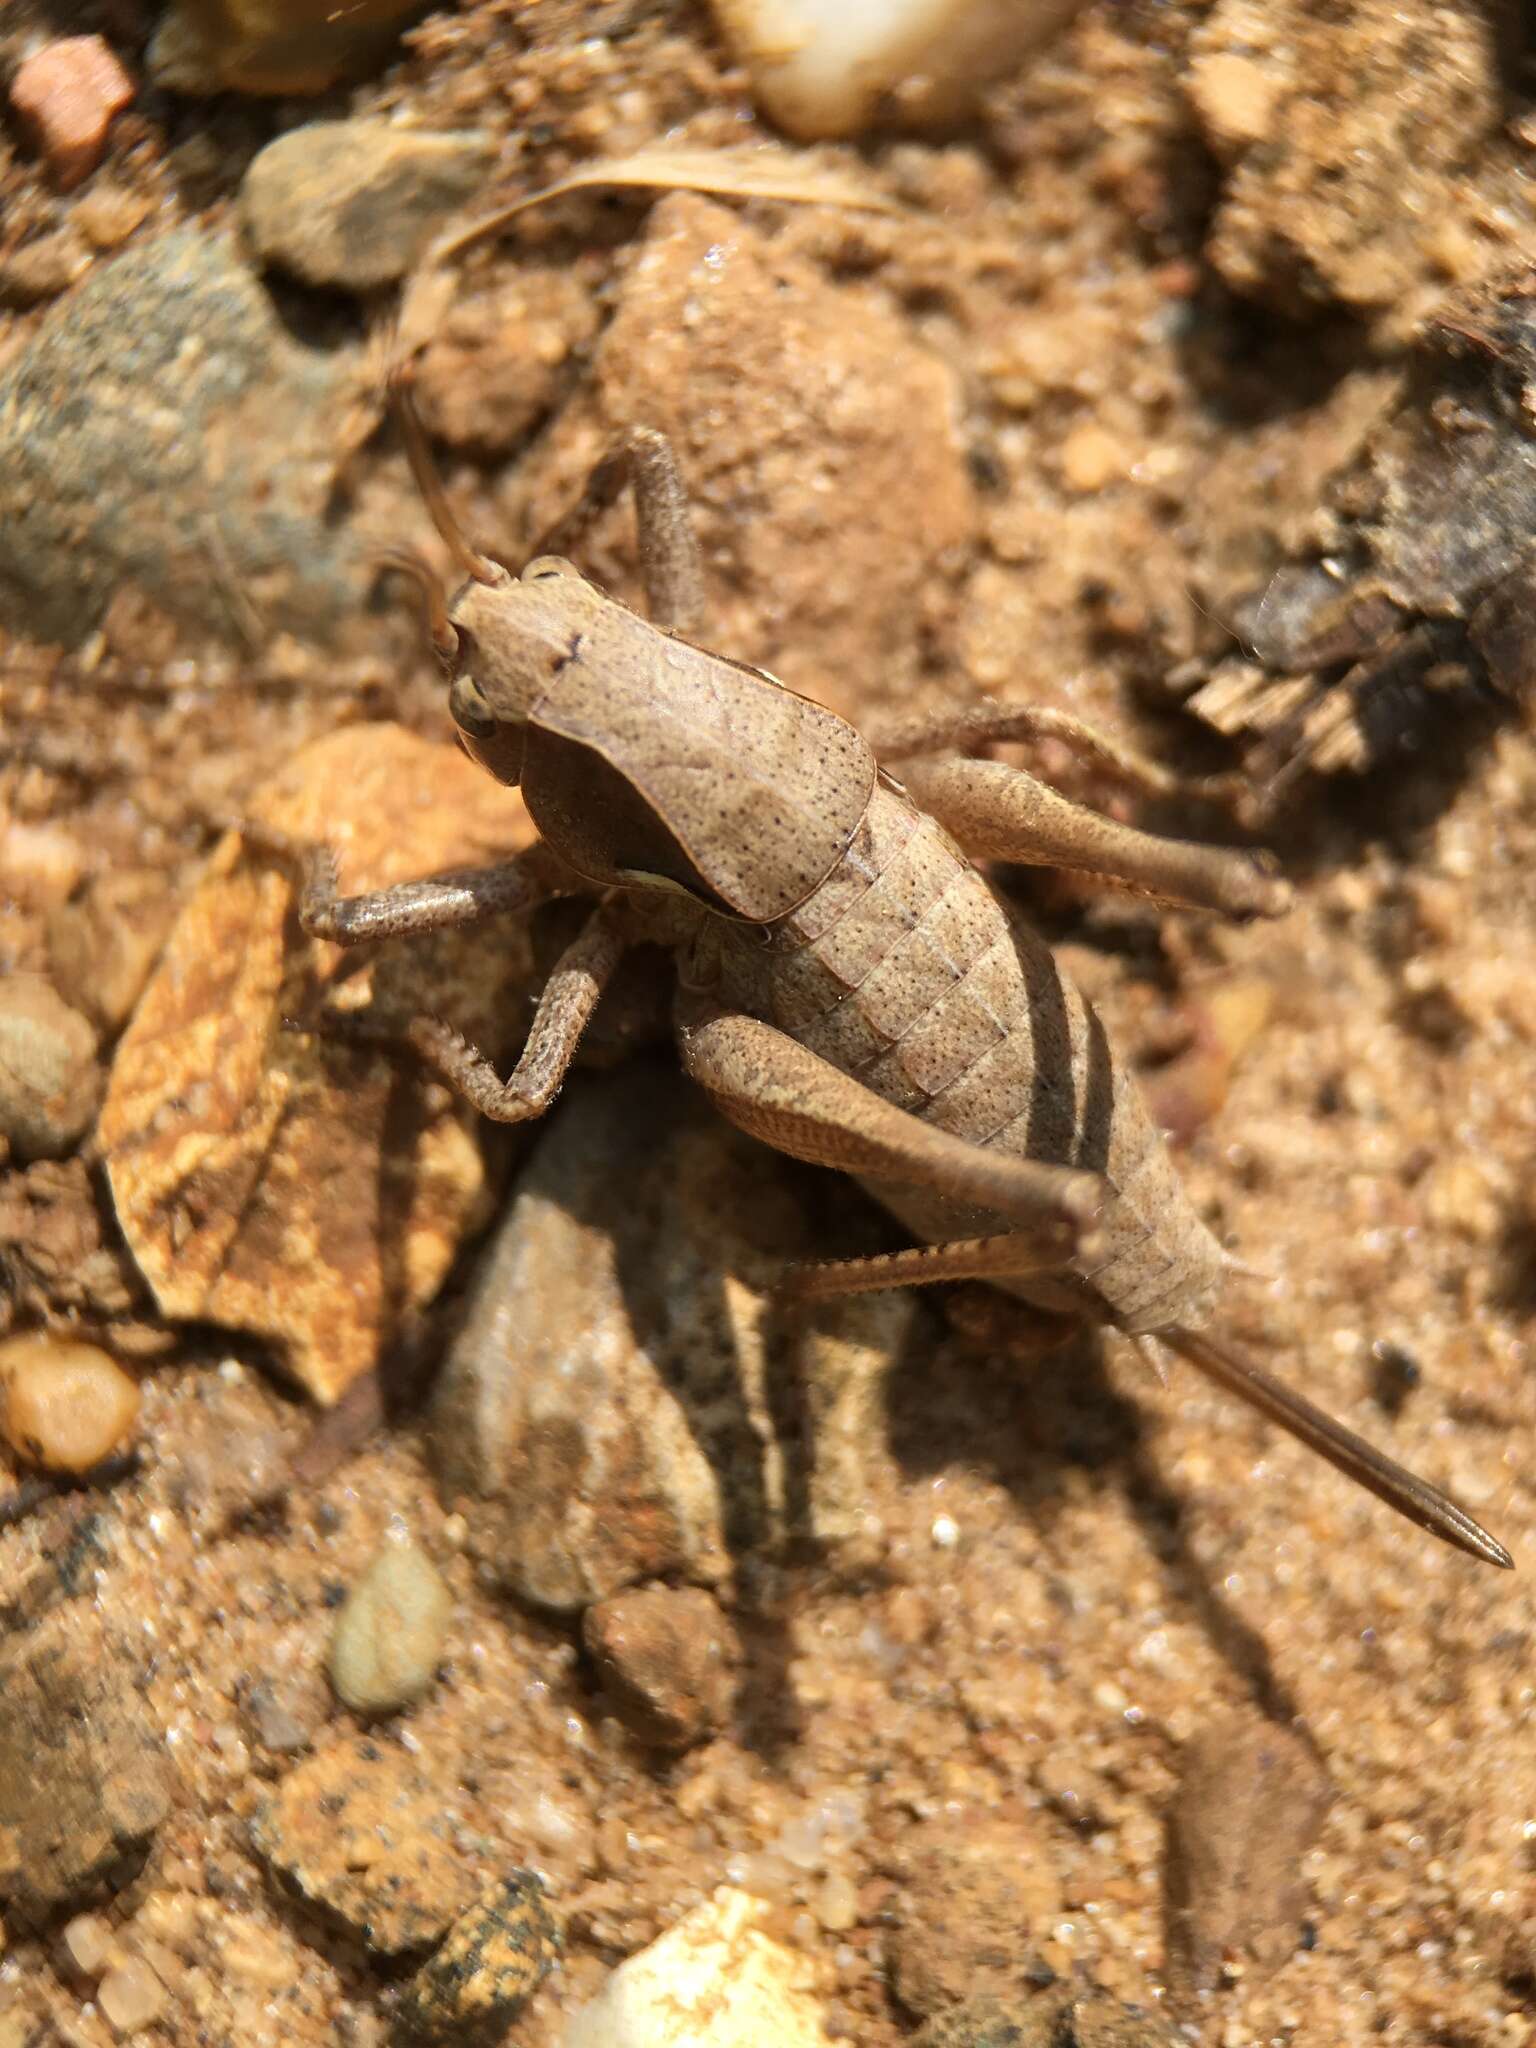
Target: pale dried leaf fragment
(715,1979)
(1249,1805)
(760,172)
(275,1179)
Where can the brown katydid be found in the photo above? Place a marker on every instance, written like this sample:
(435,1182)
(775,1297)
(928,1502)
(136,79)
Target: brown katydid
(851,988)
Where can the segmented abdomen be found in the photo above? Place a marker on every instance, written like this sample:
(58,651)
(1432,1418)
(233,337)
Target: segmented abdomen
(906,971)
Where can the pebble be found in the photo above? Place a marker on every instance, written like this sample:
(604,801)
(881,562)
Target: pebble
(284,1714)
(1251,1800)
(980,1897)
(43,268)
(715,1980)
(66,95)
(231,1453)
(48,1073)
(370,1837)
(666,1657)
(131,1996)
(719,326)
(603,1417)
(1227,1018)
(108,214)
(492,1960)
(89,1943)
(503,354)
(823,68)
(63,1405)
(84,1783)
(1236,96)
(60,1247)
(353,203)
(1091,459)
(390,1634)
(238,437)
(103,943)
(1349,198)
(270,46)
(1058,2019)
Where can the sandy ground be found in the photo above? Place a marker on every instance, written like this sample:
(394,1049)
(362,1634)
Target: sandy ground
(1073,1572)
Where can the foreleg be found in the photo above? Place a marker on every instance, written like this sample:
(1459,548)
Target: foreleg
(446,902)
(670,566)
(564,1010)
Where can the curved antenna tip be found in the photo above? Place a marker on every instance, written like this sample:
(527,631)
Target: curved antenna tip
(468,560)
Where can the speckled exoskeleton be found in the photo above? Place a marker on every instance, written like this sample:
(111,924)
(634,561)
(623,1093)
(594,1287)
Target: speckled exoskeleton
(851,988)
(1416,597)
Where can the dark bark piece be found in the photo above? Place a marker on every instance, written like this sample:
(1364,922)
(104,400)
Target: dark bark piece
(1410,613)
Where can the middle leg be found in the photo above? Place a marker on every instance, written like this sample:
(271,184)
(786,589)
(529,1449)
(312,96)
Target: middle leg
(564,1010)
(978,725)
(1002,813)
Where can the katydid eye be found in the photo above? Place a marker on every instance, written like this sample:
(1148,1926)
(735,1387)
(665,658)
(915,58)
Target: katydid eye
(468,709)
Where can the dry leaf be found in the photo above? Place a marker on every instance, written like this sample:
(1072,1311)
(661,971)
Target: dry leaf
(275,1180)
(762,172)
(1250,1803)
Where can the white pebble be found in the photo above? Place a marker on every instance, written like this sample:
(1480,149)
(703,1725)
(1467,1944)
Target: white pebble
(715,1980)
(823,67)
(89,1943)
(389,1635)
(131,1996)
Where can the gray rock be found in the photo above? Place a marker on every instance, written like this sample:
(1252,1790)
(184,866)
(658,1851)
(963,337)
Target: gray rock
(49,1079)
(606,1414)
(163,428)
(84,1782)
(389,1635)
(353,203)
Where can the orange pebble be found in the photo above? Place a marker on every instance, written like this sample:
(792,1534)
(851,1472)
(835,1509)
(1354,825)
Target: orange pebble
(67,94)
(63,1405)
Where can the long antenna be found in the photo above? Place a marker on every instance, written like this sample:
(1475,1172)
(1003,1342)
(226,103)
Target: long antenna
(1350,1454)
(430,484)
(404,561)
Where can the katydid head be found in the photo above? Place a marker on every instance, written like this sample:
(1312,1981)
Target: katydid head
(501,639)
(513,637)
(646,761)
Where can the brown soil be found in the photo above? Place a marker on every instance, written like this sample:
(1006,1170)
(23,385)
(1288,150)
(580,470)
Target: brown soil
(1074,1570)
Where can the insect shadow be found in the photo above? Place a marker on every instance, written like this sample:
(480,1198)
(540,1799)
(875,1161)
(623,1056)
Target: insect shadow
(1029,1428)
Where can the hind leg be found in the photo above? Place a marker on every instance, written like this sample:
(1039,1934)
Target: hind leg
(767,1084)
